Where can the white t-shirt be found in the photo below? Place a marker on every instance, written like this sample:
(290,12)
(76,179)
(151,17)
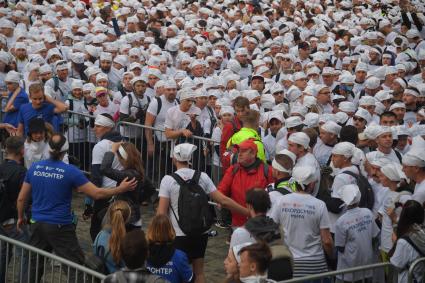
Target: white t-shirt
(322,152)
(404,255)
(74,133)
(269,142)
(302,216)
(387,225)
(216,136)
(99,151)
(354,231)
(111,109)
(169,188)
(138,104)
(341,179)
(160,118)
(176,120)
(419,193)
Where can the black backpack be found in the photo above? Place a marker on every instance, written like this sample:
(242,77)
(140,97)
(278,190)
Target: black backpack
(195,217)
(367,199)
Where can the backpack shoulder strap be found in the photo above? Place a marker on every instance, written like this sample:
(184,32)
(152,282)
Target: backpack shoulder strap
(196,176)
(178,179)
(352,174)
(409,240)
(266,170)
(398,154)
(130,103)
(56,83)
(158,108)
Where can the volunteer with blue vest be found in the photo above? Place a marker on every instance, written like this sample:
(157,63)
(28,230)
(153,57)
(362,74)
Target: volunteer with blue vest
(51,183)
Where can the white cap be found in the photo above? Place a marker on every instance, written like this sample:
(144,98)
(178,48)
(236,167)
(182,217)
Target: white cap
(344,148)
(300,138)
(183,152)
(186,93)
(372,83)
(363,113)
(397,105)
(101,76)
(350,194)
(415,157)
(105,56)
(311,120)
(331,127)
(347,106)
(393,171)
(367,101)
(304,175)
(77,84)
(293,122)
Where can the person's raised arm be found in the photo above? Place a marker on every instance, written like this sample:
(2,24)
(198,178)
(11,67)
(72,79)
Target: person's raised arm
(20,130)
(60,107)
(103,193)
(9,106)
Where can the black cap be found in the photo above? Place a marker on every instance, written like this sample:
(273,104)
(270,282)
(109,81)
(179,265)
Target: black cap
(36,125)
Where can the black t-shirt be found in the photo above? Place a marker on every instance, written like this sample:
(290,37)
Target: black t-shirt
(13,175)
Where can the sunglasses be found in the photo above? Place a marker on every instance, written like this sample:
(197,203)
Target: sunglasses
(358,119)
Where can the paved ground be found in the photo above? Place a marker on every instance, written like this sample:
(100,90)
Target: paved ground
(216,250)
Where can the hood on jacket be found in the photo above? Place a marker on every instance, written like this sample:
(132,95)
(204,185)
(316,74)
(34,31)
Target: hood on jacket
(113,136)
(263,227)
(160,253)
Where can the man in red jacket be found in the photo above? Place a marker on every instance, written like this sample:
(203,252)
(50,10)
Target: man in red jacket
(248,173)
(241,105)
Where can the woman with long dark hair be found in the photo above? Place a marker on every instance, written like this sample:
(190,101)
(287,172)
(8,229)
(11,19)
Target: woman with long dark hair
(131,160)
(410,243)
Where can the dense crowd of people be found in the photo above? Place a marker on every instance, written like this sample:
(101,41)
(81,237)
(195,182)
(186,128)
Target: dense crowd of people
(297,125)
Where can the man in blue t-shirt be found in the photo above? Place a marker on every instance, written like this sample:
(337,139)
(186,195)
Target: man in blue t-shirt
(16,97)
(41,106)
(51,183)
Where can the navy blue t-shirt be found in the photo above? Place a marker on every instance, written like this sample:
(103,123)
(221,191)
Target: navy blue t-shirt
(52,183)
(27,112)
(177,270)
(12,117)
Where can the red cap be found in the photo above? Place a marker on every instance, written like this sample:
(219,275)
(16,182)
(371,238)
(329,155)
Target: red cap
(248,144)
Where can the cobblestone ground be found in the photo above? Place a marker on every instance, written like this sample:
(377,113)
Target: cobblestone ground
(216,250)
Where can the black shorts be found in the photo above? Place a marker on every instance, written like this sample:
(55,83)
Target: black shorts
(194,247)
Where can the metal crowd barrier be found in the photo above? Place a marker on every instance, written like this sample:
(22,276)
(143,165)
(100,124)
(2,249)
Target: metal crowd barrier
(78,129)
(413,267)
(80,134)
(16,267)
(158,162)
(356,274)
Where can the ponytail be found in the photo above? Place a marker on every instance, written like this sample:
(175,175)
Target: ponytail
(119,214)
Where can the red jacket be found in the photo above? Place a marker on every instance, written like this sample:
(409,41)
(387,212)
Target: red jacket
(229,129)
(236,182)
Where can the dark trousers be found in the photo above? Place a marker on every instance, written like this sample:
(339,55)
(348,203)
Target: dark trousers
(60,239)
(7,251)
